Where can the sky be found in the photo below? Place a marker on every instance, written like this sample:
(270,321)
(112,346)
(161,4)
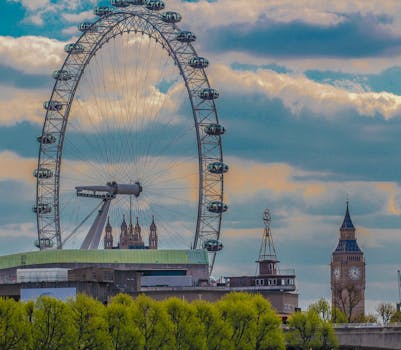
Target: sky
(310,98)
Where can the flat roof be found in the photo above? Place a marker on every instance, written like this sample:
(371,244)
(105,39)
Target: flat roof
(106,256)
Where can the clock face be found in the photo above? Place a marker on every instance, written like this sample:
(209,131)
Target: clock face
(336,273)
(354,273)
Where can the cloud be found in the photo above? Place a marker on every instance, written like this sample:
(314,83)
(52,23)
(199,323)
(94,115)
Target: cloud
(16,168)
(78,17)
(392,190)
(299,93)
(14,78)
(32,54)
(22,229)
(39,10)
(17,105)
(348,38)
(247,178)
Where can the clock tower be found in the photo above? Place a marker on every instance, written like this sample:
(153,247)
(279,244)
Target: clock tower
(348,273)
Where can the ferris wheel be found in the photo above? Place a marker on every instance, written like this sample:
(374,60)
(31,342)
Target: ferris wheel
(131,128)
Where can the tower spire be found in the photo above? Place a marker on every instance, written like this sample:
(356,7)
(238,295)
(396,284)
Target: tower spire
(347,222)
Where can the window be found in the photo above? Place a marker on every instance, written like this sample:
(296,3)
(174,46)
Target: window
(260,282)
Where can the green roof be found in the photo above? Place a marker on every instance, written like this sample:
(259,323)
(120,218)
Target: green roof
(105,256)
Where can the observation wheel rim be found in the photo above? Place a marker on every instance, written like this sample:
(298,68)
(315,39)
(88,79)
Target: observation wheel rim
(166,33)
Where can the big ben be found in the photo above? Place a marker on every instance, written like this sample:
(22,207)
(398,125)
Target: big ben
(348,273)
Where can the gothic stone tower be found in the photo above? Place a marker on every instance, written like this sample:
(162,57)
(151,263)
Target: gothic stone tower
(153,239)
(348,273)
(108,237)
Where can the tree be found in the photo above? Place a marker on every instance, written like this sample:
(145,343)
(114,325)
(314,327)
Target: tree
(347,299)
(269,335)
(338,316)
(369,318)
(307,330)
(14,326)
(89,320)
(396,317)
(385,311)
(322,308)
(187,332)
(124,335)
(152,322)
(303,330)
(53,325)
(327,339)
(237,310)
(218,333)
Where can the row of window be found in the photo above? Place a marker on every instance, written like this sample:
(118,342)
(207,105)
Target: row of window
(274,282)
(354,258)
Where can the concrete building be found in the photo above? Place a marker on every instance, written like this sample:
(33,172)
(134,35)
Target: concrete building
(104,273)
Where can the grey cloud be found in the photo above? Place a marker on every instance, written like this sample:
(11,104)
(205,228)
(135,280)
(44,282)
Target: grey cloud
(356,36)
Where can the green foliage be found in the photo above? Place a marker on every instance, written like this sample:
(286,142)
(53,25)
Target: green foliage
(307,330)
(217,332)
(237,310)
(187,331)
(124,335)
(396,317)
(52,326)
(327,339)
(304,328)
(369,318)
(239,321)
(322,308)
(122,299)
(269,335)
(14,326)
(89,321)
(338,316)
(152,322)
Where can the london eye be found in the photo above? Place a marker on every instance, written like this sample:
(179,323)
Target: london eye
(131,128)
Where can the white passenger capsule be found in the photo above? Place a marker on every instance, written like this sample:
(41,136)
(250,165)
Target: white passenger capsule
(217,168)
(198,62)
(212,245)
(102,11)
(208,94)
(46,139)
(87,26)
(217,207)
(186,37)
(154,5)
(62,75)
(214,129)
(171,17)
(74,48)
(53,105)
(120,3)
(43,173)
(42,208)
(43,243)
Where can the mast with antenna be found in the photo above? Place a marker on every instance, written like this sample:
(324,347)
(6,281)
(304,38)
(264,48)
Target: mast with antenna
(268,262)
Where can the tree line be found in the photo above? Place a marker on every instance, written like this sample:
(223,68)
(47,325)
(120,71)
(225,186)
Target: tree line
(238,321)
